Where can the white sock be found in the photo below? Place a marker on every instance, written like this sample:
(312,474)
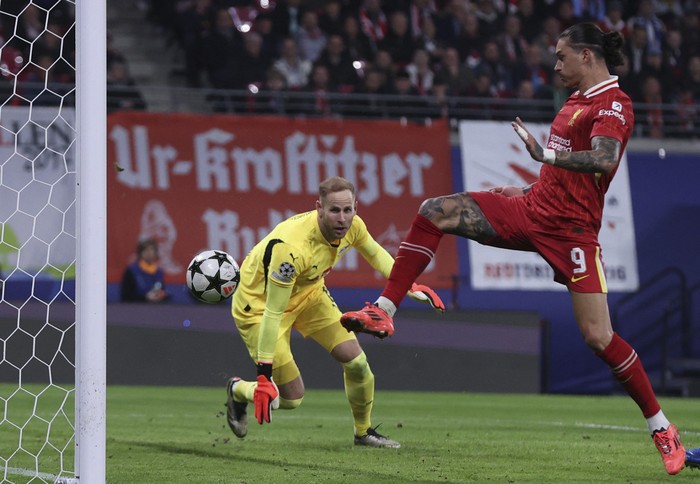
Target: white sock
(657,422)
(386,305)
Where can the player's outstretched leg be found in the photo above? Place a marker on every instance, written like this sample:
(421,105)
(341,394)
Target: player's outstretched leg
(668,442)
(374,439)
(236,412)
(371,320)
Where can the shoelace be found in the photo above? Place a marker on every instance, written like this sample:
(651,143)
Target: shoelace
(663,442)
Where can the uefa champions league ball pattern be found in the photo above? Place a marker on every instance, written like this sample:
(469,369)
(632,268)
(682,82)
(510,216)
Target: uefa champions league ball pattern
(212,276)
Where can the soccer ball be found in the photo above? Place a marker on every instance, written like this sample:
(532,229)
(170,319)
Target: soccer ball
(212,276)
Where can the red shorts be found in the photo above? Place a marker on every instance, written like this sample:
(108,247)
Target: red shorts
(574,254)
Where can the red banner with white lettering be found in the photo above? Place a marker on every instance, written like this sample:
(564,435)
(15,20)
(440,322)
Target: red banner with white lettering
(196,182)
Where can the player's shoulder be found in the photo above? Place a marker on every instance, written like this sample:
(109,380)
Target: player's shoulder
(358,228)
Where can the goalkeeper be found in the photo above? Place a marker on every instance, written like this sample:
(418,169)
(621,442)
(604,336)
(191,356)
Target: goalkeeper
(282,288)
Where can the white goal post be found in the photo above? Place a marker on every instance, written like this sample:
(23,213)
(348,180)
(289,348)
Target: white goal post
(53,241)
(91,270)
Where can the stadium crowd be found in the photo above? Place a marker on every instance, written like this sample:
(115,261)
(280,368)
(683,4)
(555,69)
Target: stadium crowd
(430,50)
(303,56)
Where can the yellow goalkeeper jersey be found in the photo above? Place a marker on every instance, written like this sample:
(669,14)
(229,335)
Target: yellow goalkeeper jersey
(287,265)
(295,254)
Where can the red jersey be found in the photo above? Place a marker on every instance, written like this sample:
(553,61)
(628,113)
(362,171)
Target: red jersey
(562,197)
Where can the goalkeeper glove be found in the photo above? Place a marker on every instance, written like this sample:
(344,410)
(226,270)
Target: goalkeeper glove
(266,396)
(424,294)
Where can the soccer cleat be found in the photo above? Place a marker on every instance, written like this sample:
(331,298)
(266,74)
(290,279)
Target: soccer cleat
(370,319)
(374,439)
(236,413)
(672,452)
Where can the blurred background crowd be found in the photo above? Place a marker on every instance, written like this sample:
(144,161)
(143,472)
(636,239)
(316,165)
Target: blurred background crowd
(374,58)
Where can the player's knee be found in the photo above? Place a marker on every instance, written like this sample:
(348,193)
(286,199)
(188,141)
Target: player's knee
(290,404)
(358,368)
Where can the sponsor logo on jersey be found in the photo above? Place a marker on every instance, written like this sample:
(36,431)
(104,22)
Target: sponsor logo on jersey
(575,115)
(617,106)
(612,112)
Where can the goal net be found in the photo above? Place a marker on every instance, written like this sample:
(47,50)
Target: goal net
(44,410)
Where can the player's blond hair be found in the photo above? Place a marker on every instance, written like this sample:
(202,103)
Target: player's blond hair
(334,184)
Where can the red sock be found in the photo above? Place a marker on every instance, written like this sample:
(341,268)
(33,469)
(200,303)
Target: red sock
(415,253)
(627,368)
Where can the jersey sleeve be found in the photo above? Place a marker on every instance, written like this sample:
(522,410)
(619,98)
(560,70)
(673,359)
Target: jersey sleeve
(282,264)
(376,255)
(614,119)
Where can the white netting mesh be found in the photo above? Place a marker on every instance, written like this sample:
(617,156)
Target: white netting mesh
(37,240)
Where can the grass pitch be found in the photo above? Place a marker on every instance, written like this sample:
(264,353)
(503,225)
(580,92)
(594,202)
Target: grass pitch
(179,435)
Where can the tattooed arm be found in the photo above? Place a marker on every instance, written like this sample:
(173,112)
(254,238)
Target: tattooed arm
(602,158)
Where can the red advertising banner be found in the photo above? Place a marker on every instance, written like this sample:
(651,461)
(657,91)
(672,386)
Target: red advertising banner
(196,182)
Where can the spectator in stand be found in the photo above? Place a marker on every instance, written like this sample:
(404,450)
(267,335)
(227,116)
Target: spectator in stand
(480,95)
(548,40)
(636,48)
(330,19)
(501,75)
(194,23)
(651,123)
(512,42)
(272,98)
(264,25)
(470,41)
(438,102)
(373,21)
(647,19)
(405,101)
(295,69)
(654,66)
(532,68)
(254,64)
(318,104)
(613,21)
(589,10)
(490,21)
(357,44)
(428,41)
(417,11)
(530,21)
(386,65)
(398,40)
(339,64)
(565,14)
(448,21)
(287,17)
(370,101)
(310,37)
(455,75)
(220,51)
(143,279)
(690,28)
(420,72)
(674,55)
(687,114)
(122,92)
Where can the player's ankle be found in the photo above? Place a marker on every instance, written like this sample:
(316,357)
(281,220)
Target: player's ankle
(386,305)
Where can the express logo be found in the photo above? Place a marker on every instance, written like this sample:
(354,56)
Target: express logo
(617,106)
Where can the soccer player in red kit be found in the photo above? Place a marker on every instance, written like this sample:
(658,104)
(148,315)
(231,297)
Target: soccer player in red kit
(558,216)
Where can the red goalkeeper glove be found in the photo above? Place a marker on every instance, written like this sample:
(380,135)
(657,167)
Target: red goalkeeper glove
(424,294)
(266,396)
